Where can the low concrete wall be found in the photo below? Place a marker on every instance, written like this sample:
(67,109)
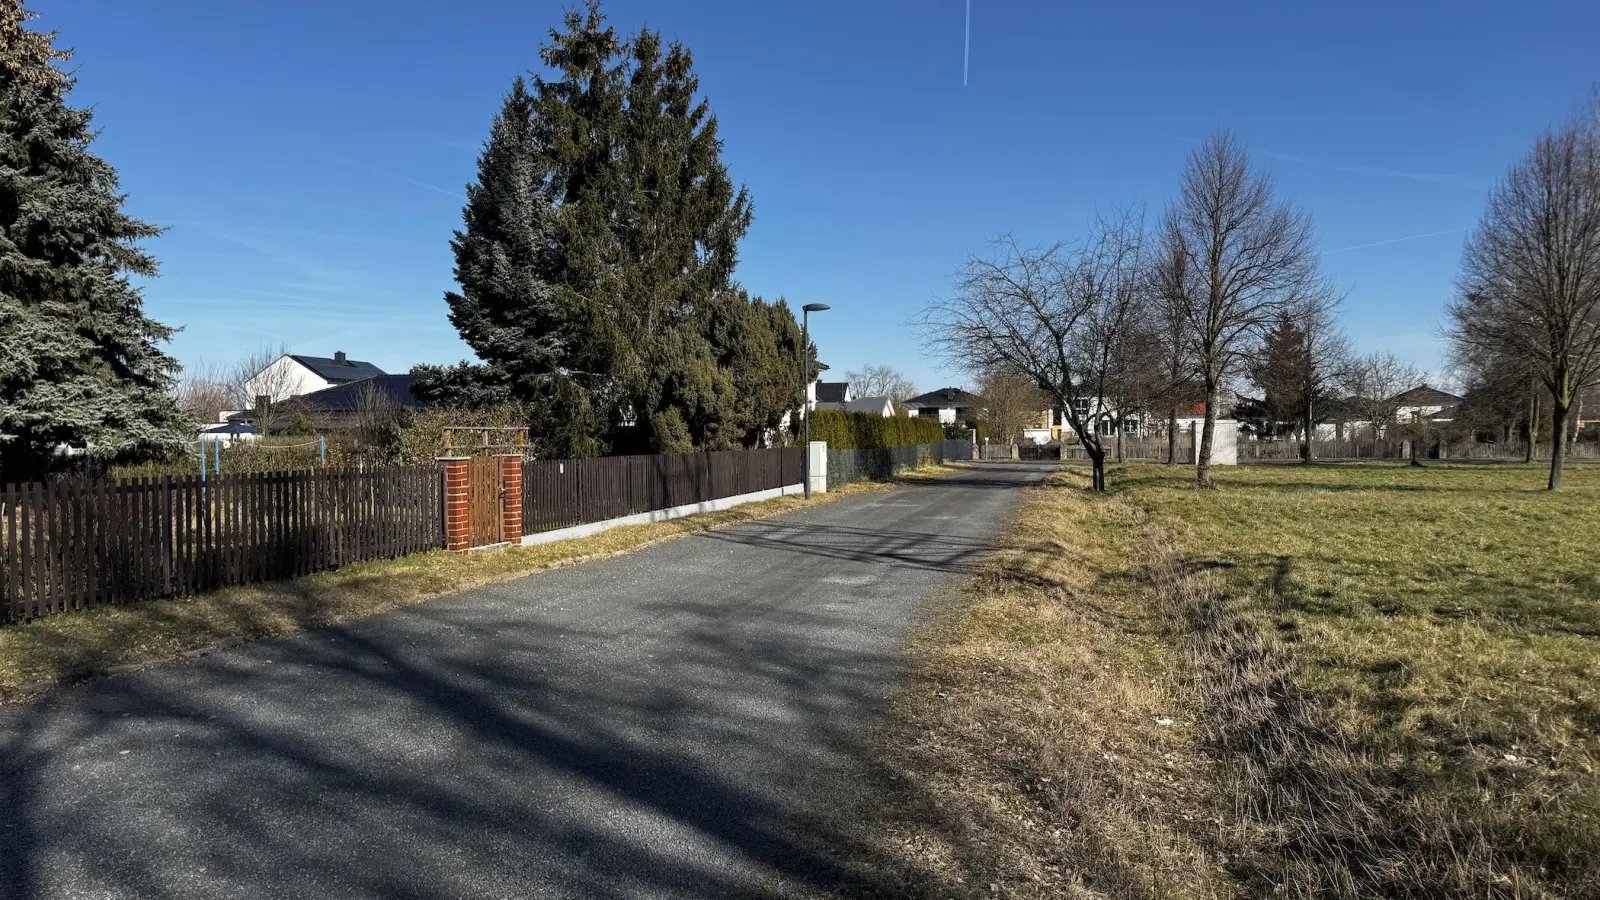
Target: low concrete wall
(657,515)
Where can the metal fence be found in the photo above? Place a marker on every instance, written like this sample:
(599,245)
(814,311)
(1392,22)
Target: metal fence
(883,464)
(560,493)
(1265,451)
(74,545)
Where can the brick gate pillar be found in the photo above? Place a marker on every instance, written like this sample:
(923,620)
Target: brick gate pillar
(511,498)
(457,530)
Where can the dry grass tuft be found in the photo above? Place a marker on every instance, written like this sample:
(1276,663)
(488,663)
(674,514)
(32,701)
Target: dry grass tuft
(1043,749)
(1380,682)
(70,647)
(1399,666)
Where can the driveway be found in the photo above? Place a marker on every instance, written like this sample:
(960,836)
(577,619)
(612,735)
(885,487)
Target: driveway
(670,723)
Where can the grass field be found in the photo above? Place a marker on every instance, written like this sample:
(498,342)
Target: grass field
(1327,681)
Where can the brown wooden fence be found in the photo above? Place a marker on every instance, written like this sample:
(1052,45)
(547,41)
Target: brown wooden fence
(75,545)
(560,493)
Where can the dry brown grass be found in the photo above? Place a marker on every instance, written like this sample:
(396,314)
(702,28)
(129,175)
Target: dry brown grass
(1045,747)
(1380,683)
(38,655)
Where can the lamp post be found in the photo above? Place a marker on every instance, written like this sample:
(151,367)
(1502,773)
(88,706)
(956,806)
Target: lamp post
(805,381)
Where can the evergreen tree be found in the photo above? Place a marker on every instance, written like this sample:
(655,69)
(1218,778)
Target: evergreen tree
(649,228)
(80,363)
(1277,371)
(596,260)
(507,309)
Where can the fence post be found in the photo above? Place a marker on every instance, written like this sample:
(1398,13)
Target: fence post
(166,534)
(457,527)
(511,498)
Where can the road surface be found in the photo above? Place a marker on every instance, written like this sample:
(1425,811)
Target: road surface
(662,724)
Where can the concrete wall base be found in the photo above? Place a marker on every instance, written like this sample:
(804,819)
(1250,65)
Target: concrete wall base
(658,515)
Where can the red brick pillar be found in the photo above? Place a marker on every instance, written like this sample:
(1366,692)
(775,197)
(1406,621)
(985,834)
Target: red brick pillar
(511,498)
(457,531)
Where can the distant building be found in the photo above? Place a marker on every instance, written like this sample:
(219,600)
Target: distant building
(1425,404)
(948,405)
(293,374)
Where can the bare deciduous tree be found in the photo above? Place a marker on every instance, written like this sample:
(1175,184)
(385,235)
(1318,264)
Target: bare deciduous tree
(881,381)
(378,419)
(1171,282)
(1054,315)
(259,387)
(1530,280)
(1246,255)
(205,392)
(1011,403)
(1374,381)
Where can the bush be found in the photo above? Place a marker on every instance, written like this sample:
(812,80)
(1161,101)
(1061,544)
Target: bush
(864,431)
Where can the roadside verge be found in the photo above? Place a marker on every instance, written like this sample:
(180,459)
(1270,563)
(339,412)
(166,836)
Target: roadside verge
(40,655)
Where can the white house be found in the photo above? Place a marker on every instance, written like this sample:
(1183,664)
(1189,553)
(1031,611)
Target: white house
(949,405)
(826,392)
(1424,402)
(293,374)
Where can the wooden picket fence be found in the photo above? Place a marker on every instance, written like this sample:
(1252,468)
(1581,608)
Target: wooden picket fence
(76,545)
(560,493)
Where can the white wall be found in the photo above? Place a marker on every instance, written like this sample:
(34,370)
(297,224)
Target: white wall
(283,379)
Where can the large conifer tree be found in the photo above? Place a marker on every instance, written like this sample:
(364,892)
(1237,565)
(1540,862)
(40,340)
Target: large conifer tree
(596,259)
(80,363)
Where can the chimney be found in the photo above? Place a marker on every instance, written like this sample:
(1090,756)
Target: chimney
(339,358)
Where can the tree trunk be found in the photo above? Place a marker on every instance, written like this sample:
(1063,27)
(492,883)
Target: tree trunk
(1097,466)
(1172,437)
(1310,433)
(1202,456)
(1558,439)
(1119,442)
(1533,425)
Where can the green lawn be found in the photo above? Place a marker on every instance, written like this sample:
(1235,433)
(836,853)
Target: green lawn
(1443,622)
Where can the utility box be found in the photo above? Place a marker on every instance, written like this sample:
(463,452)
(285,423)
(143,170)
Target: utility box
(819,466)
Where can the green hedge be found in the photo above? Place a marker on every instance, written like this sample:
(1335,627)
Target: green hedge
(864,431)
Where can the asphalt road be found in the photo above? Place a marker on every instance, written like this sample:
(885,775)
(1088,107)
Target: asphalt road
(667,723)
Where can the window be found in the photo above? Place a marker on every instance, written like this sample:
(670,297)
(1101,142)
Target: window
(930,412)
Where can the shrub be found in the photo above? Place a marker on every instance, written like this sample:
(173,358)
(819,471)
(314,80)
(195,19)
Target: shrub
(864,431)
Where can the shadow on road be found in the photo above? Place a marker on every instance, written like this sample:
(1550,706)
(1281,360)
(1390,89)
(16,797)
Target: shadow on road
(468,748)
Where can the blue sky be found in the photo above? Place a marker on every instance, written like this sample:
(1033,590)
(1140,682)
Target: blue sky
(308,157)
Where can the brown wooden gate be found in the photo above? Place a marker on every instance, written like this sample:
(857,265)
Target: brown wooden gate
(483,500)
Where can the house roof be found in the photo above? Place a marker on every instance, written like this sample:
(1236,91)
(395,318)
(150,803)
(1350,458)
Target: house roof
(337,369)
(1426,396)
(832,391)
(348,397)
(948,396)
(873,405)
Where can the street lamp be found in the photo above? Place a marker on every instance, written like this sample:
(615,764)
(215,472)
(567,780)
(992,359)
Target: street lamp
(805,381)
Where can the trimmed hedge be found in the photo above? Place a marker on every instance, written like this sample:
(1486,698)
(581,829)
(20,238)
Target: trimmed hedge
(864,431)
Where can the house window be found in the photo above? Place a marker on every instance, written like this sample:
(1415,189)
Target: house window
(931,412)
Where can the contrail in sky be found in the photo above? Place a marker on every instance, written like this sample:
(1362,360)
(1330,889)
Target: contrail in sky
(1414,237)
(966,49)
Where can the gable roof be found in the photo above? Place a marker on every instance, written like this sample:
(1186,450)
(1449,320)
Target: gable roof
(832,391)
(337,370)
(1426,396)
(948,396)
(873,405)
(348,397)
